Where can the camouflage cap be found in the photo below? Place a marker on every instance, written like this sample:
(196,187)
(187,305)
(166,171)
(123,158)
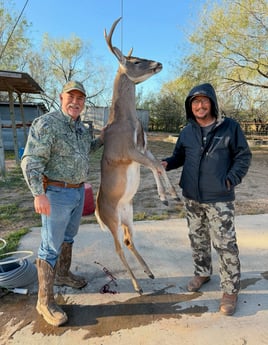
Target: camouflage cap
(74,85)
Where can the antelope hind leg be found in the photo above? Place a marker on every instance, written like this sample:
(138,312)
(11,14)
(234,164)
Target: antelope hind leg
(121,254)
(128,241)
(146,269)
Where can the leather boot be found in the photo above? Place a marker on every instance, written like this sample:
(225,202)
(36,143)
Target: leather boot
(46,305)
(228,303)
(196,282)
(63,274)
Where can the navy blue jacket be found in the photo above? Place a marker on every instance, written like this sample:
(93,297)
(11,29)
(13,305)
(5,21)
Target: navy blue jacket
(206,169)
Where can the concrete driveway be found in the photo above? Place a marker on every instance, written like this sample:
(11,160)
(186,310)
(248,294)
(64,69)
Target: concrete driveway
(109,311)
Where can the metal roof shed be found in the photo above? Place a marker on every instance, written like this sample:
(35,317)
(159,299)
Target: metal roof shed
(19,83)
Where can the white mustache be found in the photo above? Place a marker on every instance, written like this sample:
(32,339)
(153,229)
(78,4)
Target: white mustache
(74,106)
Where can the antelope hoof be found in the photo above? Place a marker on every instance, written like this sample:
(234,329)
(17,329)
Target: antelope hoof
(165,202)
(149,274)
(140,291)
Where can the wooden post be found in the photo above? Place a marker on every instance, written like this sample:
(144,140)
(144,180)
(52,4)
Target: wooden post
(14,129)
(2,152)
(23,119)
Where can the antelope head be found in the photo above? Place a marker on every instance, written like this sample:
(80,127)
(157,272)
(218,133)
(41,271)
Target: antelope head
(137,69)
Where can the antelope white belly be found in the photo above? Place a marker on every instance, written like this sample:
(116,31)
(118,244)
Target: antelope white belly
(133,181)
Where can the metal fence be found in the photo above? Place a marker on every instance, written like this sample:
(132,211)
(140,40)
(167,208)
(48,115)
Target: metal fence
(255,128)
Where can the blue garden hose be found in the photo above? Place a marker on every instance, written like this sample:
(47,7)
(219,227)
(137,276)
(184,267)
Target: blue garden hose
(16,272)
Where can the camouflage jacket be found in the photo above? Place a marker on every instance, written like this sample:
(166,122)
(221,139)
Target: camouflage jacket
(57,147)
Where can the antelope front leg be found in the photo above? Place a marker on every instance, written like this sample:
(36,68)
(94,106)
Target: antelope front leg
(169,186)
(159,169)
(160,187)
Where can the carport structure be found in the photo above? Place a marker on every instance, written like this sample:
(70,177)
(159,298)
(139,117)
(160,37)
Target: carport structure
(19,83)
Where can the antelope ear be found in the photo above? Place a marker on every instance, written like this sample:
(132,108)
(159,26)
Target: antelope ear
(121,58)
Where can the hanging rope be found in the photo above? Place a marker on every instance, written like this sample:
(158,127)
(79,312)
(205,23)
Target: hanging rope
(14,27)
(122,21)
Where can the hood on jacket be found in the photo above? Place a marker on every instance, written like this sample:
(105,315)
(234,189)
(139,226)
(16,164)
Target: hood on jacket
(202,90)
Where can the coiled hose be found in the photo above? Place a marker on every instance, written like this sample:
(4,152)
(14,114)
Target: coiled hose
(16,272)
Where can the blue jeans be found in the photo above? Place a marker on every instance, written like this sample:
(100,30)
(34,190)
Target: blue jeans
(66,206)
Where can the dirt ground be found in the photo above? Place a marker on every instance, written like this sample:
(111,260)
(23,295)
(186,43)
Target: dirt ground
(251,195)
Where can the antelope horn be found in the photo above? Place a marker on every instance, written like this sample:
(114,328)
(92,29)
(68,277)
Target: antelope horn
(109,37)
(130,52)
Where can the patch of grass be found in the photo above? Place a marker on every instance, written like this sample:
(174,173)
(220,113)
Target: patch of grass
(263,149)
(139,216)
(13,179)
(91,219)
(10,155)
(162,216)
(88,220)
(12,213)
(7,211)
(144,216)
(13,240)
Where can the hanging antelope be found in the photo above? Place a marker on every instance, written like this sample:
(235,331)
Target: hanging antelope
(124,151)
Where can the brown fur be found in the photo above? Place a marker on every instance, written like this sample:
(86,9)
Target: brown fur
(124,151)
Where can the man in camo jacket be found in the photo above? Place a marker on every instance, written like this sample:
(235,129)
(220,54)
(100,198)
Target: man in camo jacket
(215,157)
(55,165)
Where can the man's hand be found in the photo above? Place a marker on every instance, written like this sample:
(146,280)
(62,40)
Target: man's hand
(164,163)
(42,205)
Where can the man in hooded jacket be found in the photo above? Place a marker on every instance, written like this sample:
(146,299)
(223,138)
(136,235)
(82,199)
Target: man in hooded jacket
(215,157)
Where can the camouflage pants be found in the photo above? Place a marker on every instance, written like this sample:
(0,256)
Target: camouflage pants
(214,223)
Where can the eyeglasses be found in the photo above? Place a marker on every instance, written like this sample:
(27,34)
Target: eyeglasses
(200,100)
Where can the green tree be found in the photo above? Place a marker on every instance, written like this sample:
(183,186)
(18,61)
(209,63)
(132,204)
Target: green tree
(51,66)
(64,56)
(229,50)
(69,58)
(232,40)
(166,112)
(14,43)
